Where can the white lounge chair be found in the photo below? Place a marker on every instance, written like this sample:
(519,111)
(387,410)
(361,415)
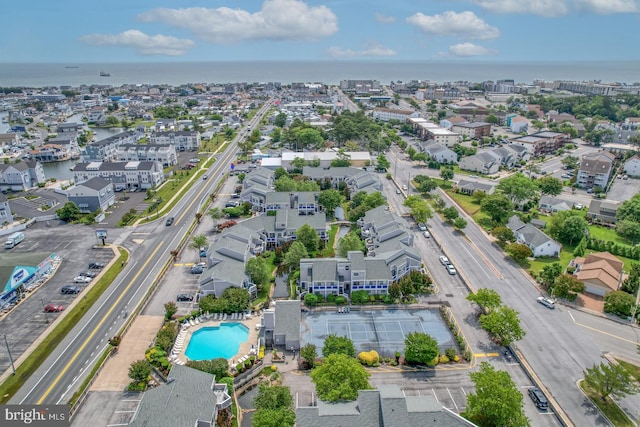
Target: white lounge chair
(224,317)
(197,322)
(191,322)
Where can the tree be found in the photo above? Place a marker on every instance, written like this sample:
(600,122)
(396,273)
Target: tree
(518,251)
(425,183)
(619,303)
(460,223)
(446,174)
(568,226)
(487,299)
(274,407)
(610,380)
(309,238)
(215,214)
(258,270)
(420,348)
(218,367)
(337,344)
(629,209)
(496,401)
(170,309)
(140,370)
(550,185)
(420,210)
(198,242)
(450,213)
(571,162)
(498,207)
(532,168)
(503,234)
(68,212)
(330,200)
(339,378)
(632,282)
(273,418)
(567,286)
(630,230)
(281,120)
(296,252)
(549,273)
(297,163)
(503,325)
(518,188)
(236,299)
(309,353)
(383,162)
(349,242)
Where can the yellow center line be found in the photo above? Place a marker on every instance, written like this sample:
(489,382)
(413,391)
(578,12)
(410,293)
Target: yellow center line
(90,337)
(605,333)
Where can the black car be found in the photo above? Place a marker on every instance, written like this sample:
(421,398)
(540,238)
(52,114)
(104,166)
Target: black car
(67,290)
(169,221)
(196,269)
(185,297)
(90,274)
(96,265)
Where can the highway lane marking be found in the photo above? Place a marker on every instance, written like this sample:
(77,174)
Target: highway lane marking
(95,330)
(604,332)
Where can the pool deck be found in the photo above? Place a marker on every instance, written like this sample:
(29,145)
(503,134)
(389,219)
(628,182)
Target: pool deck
(245,347)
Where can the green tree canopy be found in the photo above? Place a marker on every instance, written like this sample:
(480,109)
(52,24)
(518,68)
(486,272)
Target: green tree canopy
(198,242)
(446,173)
(309,237)
(488,299)
(420,348)
(450,213)
(609,379)
(296,252)
(273,418)
(68,212)
(567,286)
(518,188)
(273,397)
(619,303)
(503,325)
(503,234)
(549,185)
(420,210)
(629,230)
(349,242)
(497,401)
(309,353)
(218,367)
(383,162)
(339,378)
(140,370)
(258,270)
(549,273)
(338,344)
(330,199)
(518,251)
(632,282)
(568,226)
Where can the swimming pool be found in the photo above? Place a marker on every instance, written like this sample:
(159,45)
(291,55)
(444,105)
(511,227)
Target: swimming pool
(217,341)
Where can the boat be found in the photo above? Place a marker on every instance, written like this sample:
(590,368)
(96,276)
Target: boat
(71,66)
(104,74)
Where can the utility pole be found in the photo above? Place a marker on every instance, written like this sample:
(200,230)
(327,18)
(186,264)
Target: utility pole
(13,368)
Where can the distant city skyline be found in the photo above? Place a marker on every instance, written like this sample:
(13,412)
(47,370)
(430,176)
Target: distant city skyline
(282,30)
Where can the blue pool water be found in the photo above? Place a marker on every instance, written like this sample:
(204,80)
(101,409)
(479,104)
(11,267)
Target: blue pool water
(217,341)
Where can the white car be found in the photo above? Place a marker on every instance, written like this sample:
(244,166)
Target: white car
(426,234)
(405,188)
(451,269)
(444,260)
(82,279)
(547,302)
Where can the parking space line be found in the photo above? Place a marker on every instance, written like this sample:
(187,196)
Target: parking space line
(452,399)
(434,395)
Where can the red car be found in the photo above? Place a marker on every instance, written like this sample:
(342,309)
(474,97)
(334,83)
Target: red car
(53,308)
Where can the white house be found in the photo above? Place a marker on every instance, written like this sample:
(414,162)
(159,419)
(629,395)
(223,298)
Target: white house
(96,193)
(486,163)
(632,166)
(386,114)
(539,243)
(439,152)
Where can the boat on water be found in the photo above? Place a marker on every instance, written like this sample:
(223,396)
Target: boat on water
(104,74)
(71,66)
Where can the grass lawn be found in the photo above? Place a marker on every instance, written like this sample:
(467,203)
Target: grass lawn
(606,233)
(328,251)
(634,370)
(608,407)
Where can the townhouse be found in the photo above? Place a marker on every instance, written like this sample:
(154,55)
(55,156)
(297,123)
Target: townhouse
(632,166)
(92,195)
(164,154)
(181,140)
(131,176)
(21,176)
(6,217)
(106,150)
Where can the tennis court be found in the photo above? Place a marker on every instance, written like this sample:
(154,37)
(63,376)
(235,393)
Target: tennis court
(380,330)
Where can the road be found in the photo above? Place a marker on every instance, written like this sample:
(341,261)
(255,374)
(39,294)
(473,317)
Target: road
(559,344)
(63,372)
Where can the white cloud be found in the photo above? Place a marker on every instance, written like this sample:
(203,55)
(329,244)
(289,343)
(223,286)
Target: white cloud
(549,8)
(143,44)
(277,20)
(385,19)
(607,7)
(468,49)
(465,25)
(369,50)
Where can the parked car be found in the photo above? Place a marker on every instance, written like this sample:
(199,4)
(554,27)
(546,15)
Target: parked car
(539,399)
(405,188)
(197,269)
(203,253)
(422,226)
(169,221)
(426,234)
(444,260)
(53,308)
(451,269)
(547,302)
(90,274)
(96,265)
(69,289)
(185,297)
(81,279)
(231,204)
(398,191)
(201,265)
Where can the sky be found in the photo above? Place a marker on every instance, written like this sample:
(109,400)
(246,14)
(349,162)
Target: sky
(66,31)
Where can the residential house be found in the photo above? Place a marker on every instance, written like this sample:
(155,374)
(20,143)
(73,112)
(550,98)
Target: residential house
(8,139)
(189,398)
(438,152)
(595,170)
(164,154)
(473,130)
(600,272)
(553,204)
(632,166)
(21,176)
(385,406)
(50,152)
(106,150)
(470,111)
(541,143)
(124,175)
(96,193)
(306,203)
(519,124)
(485,162)
(181,140)
(508,157)
(282,324)
(97,115)
(469,187)
(386,114)
(6,217)
(602,211)
(69,127)
(539,243)
(166,125)
(449,122)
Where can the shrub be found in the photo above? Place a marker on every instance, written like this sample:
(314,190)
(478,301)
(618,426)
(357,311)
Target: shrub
(456,358)
(443,359)
(369,357)
(450,353)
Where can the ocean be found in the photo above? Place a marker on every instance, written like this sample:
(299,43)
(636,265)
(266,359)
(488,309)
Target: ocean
(328,72)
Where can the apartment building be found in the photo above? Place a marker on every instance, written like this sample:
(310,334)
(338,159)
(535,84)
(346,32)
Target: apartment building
(541,143)
(106,150)
(472,130)
(181,140)
(131,176)
(164,154)
(386,114)
(595,170)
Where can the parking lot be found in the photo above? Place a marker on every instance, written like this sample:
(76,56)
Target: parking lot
(623,189)
(75,245)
